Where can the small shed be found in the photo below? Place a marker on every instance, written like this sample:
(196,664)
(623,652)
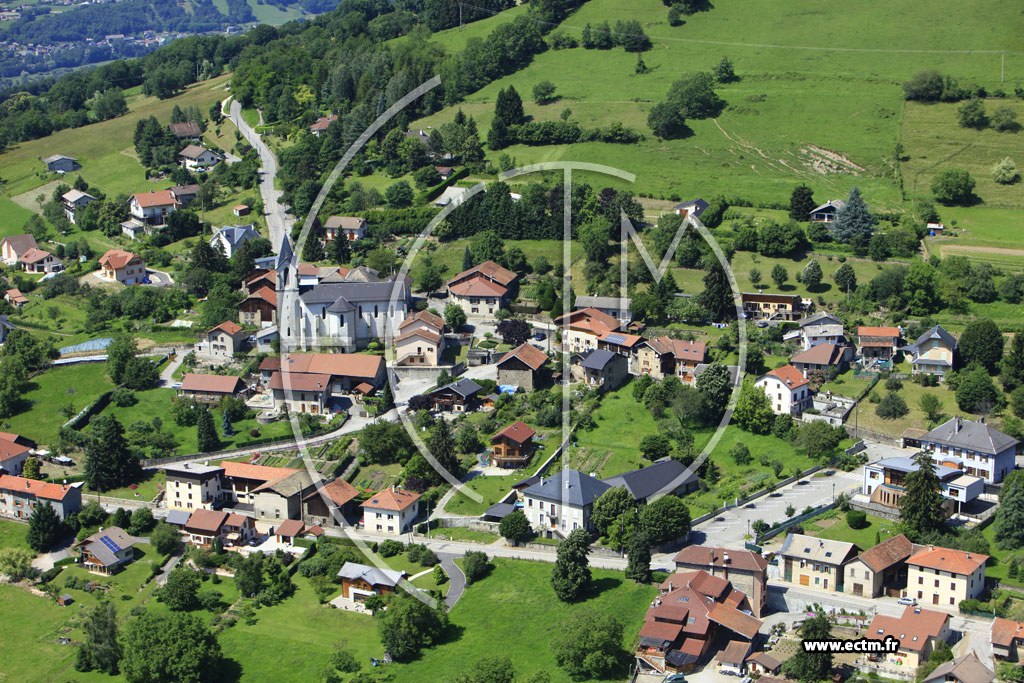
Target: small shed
(241,210)
(289,530)
(65,600)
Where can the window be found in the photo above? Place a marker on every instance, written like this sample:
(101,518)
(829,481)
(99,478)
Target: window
(936,583)
(951,601)
(952,586)
(920,579)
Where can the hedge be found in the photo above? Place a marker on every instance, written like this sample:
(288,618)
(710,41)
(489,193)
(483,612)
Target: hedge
(432,193)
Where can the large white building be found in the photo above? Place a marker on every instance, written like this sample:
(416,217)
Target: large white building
(977,448)
(562,503)
(349,315)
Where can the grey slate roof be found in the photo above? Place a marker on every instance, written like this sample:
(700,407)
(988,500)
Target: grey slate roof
(284,254)
(372,575)
(698,206)
(602,302)
(178,517)
(664,475)
(823,317)
(908,465)
(598,359)
(4,322)
(935,333)
(98,549)
(974,436)
(581,490)
(343,296)
(499,510)
(236,234)
(463,387)
(965,669)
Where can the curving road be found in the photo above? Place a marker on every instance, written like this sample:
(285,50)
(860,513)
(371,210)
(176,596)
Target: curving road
(456,579)
(279,221)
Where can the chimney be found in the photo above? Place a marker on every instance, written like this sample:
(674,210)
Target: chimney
(931,547)
(669,586)
(968,555)
(725,558)
(956,429)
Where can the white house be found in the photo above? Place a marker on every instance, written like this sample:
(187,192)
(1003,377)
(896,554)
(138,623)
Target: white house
(196,158)
(39,261)
(562,502)
(74,200)
(152,207)
(977,448)
(391,511)
(122,266)
(220,343)
(820,328)
(787,389)
(230,237)
(826,213)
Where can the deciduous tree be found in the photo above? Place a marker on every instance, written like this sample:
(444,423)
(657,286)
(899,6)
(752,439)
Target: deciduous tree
(589,645)
(169,648)
(100,651)
(570,576)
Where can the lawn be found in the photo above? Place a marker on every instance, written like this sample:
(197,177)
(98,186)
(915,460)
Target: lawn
(866,417)
(147,489)
(514,606)
(12,534)
(375,477)
(934,141)
(157,403)
(292,641)
(832,525)
(847,385)
(613,446)
(461,533)
(50,392)
(491,489)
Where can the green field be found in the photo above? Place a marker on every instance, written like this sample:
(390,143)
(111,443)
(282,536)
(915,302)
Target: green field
(516,608)
(866,418)
(49,392)
(832,525)
(12,534)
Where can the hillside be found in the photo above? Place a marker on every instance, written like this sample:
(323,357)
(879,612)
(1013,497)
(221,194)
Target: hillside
(828,89)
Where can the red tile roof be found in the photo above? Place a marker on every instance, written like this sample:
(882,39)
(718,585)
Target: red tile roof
(300,381)
(15,296)
(734,620)
(435,321)
(820,354)
(1005,631)
(391,499)
(744,560)
(429,335)
(590,320)
(34,255)
(117,258)
(527,353)
(212,384)
(913,629)
(948,560)
(489,270)
(40,489)
(789,375)
(888,553)
(265,294)
(517,431)
(477,286)
(244,470)
(878,332)
(661,630)
(270,363)
(335,364)
(230,327)
(9,449)
(207,522)
(155,198)
(734,653)
(339,491)
(289,527)
(323,122)
(186,129)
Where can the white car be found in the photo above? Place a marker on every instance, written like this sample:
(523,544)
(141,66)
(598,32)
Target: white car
(906,601)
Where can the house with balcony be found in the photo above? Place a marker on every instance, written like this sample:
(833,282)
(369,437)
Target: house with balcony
(788,391)
(420,340)
(816,562)
(558,505)
(613,306)
(205,527)
(301,392)
(826,213)
(582,328)
(359,581)
(933,353)
(461,396)
(198,158)
(483,289)
(820,328)
(884,484)
(209,388)
(774,307)
(107,551)
(878,343)
(74,201)
(513,446)
(602,369)
(122,266)
(193,486)
(663,356)
(259,309)
(975,448)
(1007,639)
(822,357)
(151,208)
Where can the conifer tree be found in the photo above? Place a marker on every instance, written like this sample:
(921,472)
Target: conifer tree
(639,552)
(206,433)
(921,506)
(571,573)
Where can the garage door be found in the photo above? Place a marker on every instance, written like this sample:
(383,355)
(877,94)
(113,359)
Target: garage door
(805,580)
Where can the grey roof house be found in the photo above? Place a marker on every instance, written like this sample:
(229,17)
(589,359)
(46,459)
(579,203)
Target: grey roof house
(934,352)
(979,449)
(562,503)
(460,396)
(230,237)
(665,477)
(603,369)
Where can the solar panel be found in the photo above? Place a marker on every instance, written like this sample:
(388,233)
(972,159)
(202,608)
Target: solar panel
(615,338)
(107,541)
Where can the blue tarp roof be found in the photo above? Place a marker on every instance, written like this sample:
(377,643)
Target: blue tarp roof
(506,389)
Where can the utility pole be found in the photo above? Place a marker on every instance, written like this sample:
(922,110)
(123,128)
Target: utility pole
(460,17)
(1002,67)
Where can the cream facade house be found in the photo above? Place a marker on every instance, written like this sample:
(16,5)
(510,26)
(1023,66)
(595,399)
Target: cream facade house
(881,570)
(919,630)
(350,228)
(196,158)
(420,340)
(220,343)
(19,497)
(151,208)
(122,266)
(581,329)
(192,486)
(933,353)
(483,289)
(944,577)
(816,562)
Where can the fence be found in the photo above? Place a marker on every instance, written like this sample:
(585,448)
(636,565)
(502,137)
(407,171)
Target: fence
(775,531)
(878,437)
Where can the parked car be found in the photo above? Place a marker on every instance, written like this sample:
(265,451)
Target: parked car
(540,336)
(676,678)
(907,601)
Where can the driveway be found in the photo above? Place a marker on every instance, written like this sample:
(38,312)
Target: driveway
(279,221)
(158,278)
(46,561)
(456,579)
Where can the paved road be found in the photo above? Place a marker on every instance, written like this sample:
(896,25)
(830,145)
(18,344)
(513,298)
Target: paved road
(167,374)
(161,578)
(456,579)
(279,221)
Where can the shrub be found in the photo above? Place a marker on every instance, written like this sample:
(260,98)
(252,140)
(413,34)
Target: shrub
(390,548)
(856,519)
(892,407)
(475,566)
(893,384)
(123,397)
